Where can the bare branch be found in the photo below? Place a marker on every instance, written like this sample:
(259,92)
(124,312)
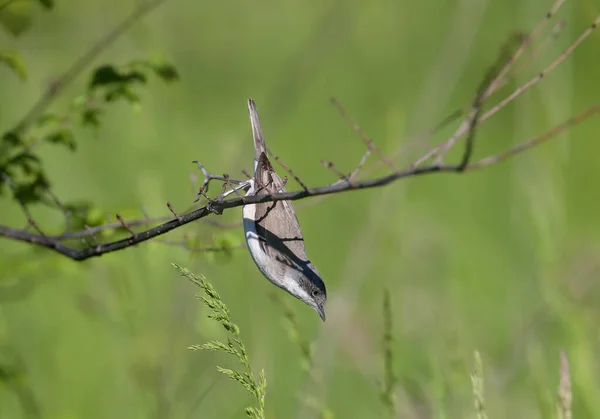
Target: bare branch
(217,205)
(526,41)
(170,206)
(124,225)
(371,147)
(519,148)
(288,170)
(443,149)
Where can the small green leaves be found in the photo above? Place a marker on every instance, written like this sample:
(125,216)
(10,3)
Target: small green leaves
(83,214)
(91,117)
(109,74)
(62,136)
(57,130)
(110,83)
(11,138)
(33,190)
(167,72)
(47,4)
(29,163)
(119,82)
(16,16)
(14,61)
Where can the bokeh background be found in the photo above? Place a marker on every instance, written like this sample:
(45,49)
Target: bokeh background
(505,260)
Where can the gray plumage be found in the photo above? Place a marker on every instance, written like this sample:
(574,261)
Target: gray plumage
(273,233)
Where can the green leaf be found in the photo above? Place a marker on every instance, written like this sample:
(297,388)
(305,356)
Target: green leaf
(12,138)
(14,61)
(167,72)
(79,215)
(64,137)
(91,117)
(32,191)
(48,4)
(108,74)
(29,163)
(49,118)
(96,216)
(122,92)
(16,18)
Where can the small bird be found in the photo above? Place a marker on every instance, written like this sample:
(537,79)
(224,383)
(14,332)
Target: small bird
(273,234)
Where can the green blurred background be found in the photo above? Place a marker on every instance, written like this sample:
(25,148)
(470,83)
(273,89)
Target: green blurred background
(505,260)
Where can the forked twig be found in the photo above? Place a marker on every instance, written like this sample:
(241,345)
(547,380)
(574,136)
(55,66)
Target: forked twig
(349,182)
(525,145)
(443,149)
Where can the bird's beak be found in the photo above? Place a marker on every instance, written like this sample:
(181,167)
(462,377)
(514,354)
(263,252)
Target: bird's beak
(321,311)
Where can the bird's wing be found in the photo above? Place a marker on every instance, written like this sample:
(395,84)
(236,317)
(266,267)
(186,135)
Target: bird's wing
(276,222)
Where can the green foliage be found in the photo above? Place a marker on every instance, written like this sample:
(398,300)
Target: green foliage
(459,254)
(14,61)
(234,345)
(113,83)
(16,16)
(21,168)
(48,4)
(15,377)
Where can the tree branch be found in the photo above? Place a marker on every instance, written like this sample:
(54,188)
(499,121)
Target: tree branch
(142,8)
(218,207)
(475,116)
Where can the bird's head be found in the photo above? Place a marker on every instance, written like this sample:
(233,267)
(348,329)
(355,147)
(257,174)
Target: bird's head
(308,287)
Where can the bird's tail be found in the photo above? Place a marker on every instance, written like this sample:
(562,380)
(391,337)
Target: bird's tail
(259,141)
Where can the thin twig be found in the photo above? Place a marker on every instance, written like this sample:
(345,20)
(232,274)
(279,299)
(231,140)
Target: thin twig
(371,147)
(87,253)
(170,206)
(519,148)
(536,31)
(288,170)
(142,8)
(469,125)
(463,128)
(125,226)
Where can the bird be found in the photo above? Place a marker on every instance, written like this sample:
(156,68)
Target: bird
(273,234)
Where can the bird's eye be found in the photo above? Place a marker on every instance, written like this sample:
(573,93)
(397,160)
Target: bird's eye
(315,293)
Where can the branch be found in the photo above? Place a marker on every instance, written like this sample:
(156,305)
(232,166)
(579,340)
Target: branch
(346,182)
(142,8)
(218,207)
